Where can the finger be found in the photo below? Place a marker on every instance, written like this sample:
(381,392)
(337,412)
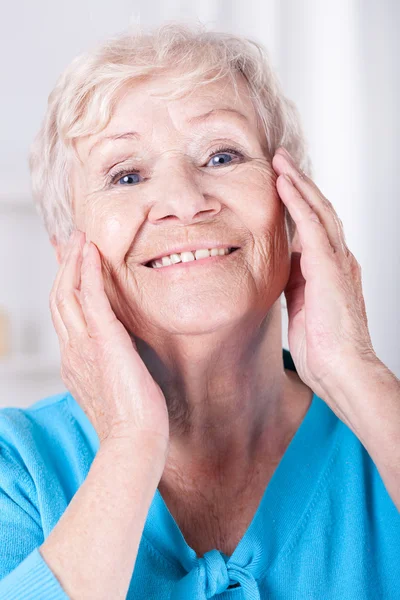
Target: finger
(283,163)
(312,234)
(55,315)
(67,300)
(100,318)
(58,324)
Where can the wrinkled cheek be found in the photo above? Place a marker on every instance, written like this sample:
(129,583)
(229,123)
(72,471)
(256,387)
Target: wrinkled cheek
(271,233)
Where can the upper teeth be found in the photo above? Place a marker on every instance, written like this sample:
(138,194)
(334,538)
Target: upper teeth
(188,256)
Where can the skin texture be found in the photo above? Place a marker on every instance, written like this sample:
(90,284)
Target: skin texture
(210,336)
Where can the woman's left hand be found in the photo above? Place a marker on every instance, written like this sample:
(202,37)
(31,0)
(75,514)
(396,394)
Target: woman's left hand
(328,328)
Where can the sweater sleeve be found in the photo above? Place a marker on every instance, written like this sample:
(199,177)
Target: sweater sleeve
(24,574)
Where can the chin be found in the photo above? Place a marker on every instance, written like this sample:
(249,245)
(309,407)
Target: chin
(202,315)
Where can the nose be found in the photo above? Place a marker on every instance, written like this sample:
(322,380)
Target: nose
(180,194)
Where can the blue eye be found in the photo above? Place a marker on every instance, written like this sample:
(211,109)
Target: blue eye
(225,152)
(126,176)
(219,155)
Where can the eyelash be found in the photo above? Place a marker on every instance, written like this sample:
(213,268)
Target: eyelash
(116,175)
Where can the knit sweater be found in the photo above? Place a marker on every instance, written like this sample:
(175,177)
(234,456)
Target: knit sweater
(326,526)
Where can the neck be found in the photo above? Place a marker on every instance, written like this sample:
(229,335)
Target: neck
(229,397)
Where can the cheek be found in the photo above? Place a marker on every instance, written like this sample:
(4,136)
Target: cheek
(113,227)
(263,213)
(256,197)
(109,233)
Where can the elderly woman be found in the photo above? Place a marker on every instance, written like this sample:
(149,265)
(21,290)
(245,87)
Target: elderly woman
(187,459)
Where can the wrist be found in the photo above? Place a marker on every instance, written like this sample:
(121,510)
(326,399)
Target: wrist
(128,443)
(369,396)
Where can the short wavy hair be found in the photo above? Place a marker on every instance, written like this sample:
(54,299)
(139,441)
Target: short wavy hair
(85,94)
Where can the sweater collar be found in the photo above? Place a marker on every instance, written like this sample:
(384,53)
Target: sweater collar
(275,522)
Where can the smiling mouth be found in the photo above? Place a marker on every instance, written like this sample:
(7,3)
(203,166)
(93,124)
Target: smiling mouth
(187,257)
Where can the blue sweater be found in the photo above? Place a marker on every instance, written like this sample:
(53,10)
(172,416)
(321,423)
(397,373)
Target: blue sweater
(325,528)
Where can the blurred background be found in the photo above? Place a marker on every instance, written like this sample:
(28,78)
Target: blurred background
(337,60)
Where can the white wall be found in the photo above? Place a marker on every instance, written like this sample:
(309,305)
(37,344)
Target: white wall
(337,61)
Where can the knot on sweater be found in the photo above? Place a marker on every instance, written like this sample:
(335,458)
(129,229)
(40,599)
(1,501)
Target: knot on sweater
(218,576)
(210,575)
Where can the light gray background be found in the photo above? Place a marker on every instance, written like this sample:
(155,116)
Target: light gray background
(338,62)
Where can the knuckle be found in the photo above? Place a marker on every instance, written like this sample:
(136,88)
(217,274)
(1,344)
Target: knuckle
(61,298)
(52,303)
(97,337)
(302,175)
(86,293)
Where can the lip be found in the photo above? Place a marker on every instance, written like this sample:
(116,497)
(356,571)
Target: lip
(191,248)
(201,262)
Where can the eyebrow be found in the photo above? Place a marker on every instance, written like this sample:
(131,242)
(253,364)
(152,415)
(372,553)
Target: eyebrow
(197,120)
(128,135)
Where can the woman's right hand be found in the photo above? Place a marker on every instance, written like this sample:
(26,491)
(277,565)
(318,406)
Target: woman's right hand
(100,363)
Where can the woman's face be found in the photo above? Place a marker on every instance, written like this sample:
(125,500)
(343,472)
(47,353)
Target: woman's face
(141,195)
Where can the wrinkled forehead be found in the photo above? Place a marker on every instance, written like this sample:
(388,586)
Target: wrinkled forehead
(200,95)
(141,107)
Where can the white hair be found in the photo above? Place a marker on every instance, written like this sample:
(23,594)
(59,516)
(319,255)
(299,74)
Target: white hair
(83,98)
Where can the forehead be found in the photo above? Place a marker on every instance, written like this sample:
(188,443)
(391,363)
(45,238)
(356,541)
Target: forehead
(146,95)
(140,108)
